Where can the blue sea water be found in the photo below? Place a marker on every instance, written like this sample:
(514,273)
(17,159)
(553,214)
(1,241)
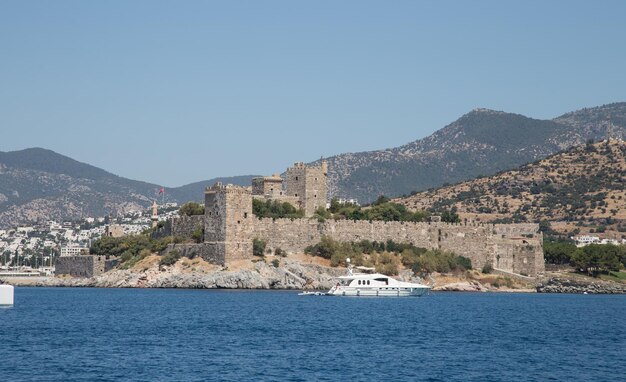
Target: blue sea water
(63,334)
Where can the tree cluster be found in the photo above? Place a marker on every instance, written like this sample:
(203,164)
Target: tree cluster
(191,209)
(592,259)
(385,256)
(381,209)
(275,209)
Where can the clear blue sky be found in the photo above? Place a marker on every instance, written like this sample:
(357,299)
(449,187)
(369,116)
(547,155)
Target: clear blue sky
(178,91)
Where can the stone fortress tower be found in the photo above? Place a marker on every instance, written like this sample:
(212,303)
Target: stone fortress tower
(268,186)
(308,185)
(228,220)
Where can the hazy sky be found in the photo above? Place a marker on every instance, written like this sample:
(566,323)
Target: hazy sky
(178,91)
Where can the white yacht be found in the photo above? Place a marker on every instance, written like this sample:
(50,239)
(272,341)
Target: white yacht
(375,284)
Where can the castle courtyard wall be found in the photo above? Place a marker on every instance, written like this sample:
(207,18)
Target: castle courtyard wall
(514,248)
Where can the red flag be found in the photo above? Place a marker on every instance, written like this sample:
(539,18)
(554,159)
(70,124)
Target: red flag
(162,190)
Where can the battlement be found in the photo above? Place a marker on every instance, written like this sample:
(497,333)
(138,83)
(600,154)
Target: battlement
(299,165)
(227,188)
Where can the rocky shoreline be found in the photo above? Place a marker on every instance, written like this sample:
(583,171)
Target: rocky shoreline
(579,285)
(195,274)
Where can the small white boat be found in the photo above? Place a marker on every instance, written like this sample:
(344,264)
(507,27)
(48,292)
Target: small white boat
(375,285)
(6,295)
(312,294)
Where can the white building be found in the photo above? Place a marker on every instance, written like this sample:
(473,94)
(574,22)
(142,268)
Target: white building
(583,240)
(72,250)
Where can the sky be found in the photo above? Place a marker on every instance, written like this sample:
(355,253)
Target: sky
(173,92)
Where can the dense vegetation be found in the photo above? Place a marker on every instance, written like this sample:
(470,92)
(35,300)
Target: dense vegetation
(387,256)
(191,209)
(593,259)
(275,209)
(130,249)
(381,209)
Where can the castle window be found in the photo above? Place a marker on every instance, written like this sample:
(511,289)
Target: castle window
(245,215)
(315,178)
(296,195)
(238,221)
(296,178)
(315,196)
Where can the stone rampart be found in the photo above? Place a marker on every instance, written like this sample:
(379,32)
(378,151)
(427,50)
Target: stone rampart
(185,226)
(82,265)
(511,247)
(210,252)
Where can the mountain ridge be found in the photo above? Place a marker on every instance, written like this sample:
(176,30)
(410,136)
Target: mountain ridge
(38,184)
(481,142)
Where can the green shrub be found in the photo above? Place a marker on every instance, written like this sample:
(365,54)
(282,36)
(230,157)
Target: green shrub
(276,263)
(387,264)
(170,258)
(191,209)
(258,247)
(487,268)
(198,235)
(280,252)
(275,209)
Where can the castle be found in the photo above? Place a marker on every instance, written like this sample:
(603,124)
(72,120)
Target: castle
(230,226)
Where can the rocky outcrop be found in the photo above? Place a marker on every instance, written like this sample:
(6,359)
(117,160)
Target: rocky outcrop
(573,284)
(466,286)
(290,275)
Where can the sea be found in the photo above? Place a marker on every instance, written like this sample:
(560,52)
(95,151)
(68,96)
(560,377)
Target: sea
(73,334)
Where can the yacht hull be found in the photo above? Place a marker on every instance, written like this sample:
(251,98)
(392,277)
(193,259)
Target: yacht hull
(378,292)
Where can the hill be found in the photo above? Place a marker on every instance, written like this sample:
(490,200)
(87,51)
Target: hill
(39,185)
(482,142)
(585,185)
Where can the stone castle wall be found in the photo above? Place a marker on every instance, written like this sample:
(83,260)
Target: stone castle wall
(83,265)
(185,226)
(210,252)
(512,247)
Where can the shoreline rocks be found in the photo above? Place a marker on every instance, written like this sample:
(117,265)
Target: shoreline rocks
(579,285)
(291,275)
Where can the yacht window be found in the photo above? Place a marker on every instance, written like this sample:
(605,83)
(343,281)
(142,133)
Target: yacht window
(384,280)
(359,282)
(368,282)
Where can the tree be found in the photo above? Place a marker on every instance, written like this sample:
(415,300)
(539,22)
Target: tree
(596,258)
(191,209)
(558,252)
(450,216)
(275,209)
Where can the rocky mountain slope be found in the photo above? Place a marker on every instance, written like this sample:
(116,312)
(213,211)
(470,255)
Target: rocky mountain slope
(586,182)
(481,142)
(40,185)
